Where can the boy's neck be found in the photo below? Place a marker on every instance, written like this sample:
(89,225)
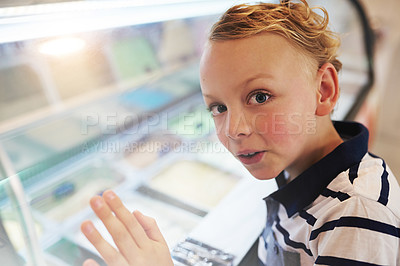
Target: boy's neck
(321,144)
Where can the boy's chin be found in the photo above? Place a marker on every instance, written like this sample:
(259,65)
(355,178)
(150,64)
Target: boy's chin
(263,174)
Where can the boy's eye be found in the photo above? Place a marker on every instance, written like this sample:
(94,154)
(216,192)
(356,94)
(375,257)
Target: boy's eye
(217,109)
(259,97)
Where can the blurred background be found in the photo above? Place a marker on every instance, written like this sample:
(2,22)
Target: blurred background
(386,25)
(105,94)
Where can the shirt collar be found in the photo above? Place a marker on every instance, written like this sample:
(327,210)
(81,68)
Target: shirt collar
(305,188)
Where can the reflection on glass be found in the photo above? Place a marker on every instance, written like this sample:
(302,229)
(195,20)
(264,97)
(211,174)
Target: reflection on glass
(148,150)
(63,199)
(62,46)
(194,124)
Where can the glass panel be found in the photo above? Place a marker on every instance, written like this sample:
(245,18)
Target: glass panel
(19,229)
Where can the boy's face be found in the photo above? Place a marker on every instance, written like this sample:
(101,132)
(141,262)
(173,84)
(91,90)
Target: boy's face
(263,97)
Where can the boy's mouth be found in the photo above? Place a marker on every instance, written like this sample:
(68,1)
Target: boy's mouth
(248,154)
(250,157)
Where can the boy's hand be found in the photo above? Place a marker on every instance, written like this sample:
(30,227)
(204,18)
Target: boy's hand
(137,237)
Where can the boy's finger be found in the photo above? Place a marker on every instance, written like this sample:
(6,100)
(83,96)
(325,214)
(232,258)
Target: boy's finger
(90,262)
(150,227)
(125,216)
(109,254)
(126,245)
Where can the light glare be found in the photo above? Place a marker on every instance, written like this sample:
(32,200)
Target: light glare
(62,46)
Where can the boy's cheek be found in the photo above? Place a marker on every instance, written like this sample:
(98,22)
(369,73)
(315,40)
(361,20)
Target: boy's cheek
(274,125)
(221,134)
(284,124)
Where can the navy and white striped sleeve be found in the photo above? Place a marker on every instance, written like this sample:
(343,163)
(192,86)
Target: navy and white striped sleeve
(358,231)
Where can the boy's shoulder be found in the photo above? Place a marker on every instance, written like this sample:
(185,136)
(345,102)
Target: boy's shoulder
(369,182)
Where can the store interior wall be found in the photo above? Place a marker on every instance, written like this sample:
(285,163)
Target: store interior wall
(386,92)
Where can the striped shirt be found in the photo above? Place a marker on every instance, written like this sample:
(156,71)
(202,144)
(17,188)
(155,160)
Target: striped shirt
(343,210)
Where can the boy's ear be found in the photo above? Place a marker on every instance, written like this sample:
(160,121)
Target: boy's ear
(328,91)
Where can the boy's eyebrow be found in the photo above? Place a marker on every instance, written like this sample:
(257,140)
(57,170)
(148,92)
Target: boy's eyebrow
(208,96)
(257,76)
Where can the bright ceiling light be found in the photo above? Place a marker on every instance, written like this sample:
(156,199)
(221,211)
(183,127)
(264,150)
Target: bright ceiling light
(62,46)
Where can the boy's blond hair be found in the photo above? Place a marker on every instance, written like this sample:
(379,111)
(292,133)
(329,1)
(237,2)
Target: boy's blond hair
(296,21)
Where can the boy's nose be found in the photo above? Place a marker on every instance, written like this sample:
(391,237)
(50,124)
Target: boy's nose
(237,126)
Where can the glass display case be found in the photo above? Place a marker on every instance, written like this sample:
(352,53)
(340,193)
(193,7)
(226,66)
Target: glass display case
(105,94)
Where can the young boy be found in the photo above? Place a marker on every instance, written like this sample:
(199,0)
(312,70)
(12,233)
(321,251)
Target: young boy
(269,77)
